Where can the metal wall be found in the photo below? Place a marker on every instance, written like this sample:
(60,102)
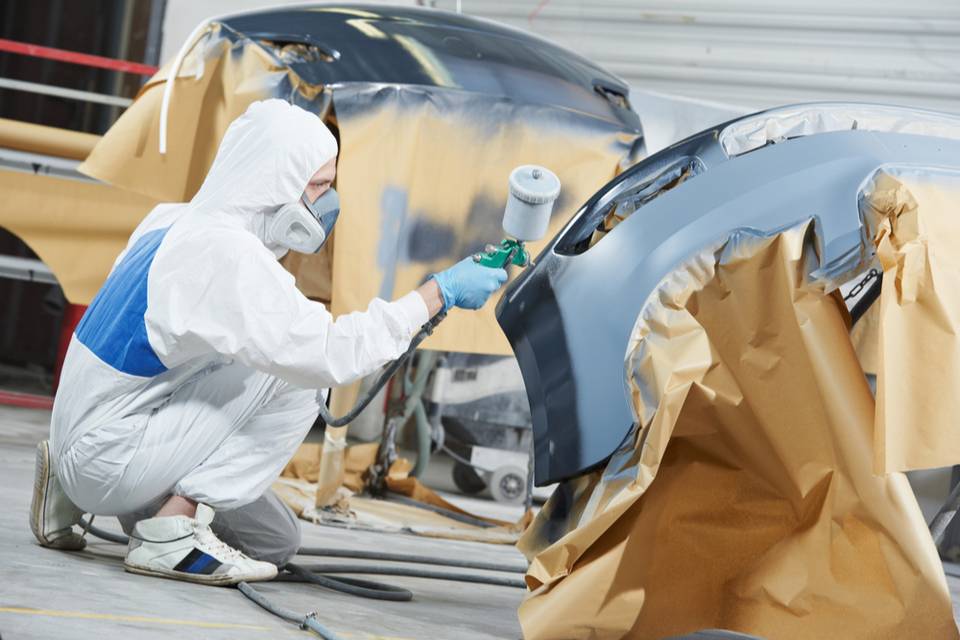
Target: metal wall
(759,54)
(111,28)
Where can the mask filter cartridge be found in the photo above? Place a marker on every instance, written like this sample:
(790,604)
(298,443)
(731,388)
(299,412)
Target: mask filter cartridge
(304,226)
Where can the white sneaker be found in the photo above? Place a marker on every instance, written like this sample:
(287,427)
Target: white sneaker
(52,514)
(185,548)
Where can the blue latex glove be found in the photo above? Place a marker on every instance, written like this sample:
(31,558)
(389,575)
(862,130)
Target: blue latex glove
(468,284)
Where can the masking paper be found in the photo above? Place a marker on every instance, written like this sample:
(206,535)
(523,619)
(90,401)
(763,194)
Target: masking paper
(77,228)
(865,336)
(43,140)
(305,463)
(220,77)
(423,177)
(297,487)
(746,499)
(913,216)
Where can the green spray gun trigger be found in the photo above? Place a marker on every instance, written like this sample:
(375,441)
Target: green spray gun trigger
(509,251)
(525,218)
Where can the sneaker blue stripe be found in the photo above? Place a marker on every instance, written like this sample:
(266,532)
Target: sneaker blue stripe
(198,565)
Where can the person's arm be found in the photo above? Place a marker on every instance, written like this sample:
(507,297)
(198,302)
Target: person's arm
(430,292)
(234,298)
(229,295)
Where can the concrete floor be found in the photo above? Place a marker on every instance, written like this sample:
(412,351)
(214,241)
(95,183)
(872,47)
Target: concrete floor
(45,593)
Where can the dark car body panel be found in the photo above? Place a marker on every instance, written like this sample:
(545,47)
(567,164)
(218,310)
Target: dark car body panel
(419,46)
(570,316)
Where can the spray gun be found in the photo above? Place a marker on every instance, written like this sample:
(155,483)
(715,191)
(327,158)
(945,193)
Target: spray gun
(533,191)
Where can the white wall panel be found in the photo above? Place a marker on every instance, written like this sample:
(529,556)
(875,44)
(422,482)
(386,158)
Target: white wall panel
(759,54)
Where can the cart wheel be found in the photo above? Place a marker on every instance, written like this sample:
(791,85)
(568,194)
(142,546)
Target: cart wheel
(508,484)
(467,480)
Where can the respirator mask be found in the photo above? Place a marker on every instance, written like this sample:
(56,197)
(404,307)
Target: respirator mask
(304,226)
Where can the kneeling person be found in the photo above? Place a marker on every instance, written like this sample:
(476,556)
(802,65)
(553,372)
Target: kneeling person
(194,374)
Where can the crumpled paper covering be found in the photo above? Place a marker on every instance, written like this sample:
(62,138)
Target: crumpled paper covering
(865,336)
(77,228)
(357,458)
(913,216)
(746,499)
(297,488)
(220,77)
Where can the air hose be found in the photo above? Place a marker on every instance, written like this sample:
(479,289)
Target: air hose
(308,621)
(386,556)
(353,586)
(415,573)
(447,513)
(384,377)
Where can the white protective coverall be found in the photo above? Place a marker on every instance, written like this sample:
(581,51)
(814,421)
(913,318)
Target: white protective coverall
(195,369)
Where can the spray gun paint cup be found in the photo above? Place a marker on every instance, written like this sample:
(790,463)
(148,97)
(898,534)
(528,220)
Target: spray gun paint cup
(533,191)
(526,217)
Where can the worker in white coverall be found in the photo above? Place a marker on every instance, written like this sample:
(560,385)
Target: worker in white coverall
(194,374)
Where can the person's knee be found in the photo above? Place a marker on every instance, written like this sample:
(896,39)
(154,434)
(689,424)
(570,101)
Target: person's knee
(266,529)
(286,540)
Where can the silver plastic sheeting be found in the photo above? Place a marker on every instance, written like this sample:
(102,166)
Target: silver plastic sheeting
(784,123)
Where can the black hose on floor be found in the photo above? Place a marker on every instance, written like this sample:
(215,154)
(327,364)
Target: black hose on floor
(453,515)
(501,581)
(402,557)
(109,536)
(352,586)
(383,556)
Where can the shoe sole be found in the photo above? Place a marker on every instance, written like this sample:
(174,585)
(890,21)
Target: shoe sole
(38,504)
(40,479)
(222,580)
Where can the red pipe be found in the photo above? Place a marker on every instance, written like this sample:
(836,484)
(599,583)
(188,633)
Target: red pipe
(25,400)
(85,59)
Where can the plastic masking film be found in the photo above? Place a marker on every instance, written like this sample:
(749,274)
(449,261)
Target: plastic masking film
(746,499)
(423,177)
(77,227)
(913,215)
(783,123)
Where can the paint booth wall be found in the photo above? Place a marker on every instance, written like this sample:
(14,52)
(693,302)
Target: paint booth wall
(758,54)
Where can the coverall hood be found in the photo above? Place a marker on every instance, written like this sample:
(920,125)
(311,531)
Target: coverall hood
(265,160)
